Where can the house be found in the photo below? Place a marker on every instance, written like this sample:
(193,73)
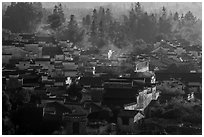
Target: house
(98,121)
(16,52)
(59,81)
(13,82)
(59,57)
(185,58)
(51,51)
(127,121)
(140,88)
(30,80)
(143,99)
(44,78)
(179,50)
(118,96)
(7,72)
(194,86)
(44,62)
(86,96)
(6,34)
(149,77)
(49,82)
(91,106)
(6,58)
(57,72)
(97,94)
(141,66)
(27,37)
(151,109)
(70,68)
(29,88)
(54,111)
(45,38)
(171,54)
(3,83)
(76,121)
(76,52)
(93,82)
(151,127)
(160,51)
(23,64)
(19,45)
(194,50)
(33,49)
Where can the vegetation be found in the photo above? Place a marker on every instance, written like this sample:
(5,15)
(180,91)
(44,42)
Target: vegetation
(186,111)
(57,18)
(101,28)
(100,31)
(22,16)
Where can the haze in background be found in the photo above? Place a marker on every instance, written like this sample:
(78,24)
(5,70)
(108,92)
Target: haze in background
(120,8)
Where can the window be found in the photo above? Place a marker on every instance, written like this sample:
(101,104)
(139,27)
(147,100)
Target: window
(125,120)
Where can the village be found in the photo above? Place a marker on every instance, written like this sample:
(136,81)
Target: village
(63,89)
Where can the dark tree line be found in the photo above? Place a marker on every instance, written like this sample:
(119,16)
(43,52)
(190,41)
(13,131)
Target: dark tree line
(139,24)
(57,18)
(102,28)
(22,16)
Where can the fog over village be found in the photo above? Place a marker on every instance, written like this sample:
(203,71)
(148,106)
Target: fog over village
(101,68)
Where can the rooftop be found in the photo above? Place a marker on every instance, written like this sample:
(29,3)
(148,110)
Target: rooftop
(128,113)
(52,51)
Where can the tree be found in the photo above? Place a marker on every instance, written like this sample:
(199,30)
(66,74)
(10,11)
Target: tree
(176,16)
(84,21)
(74,90)
(22,96)
(171,89)
(94,24)
(7,125)
(186,111)
(6,105)
(139,46)
(88,20)
(101,29)
(57,18)
(164,13)
(22,16)
(61,13)
(164,26)
(93,29)
(71,32)
(72,23)
(189,17)
(101,15)
(74,33)
(146,27)
(172,68)
(108,17)
(138,9)
(54,21)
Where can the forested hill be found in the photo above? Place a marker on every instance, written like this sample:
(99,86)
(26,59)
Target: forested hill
(122,7)
(119,8)
(100,26)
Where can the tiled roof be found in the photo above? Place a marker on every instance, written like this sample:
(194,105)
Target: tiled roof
(58,106)
(52,51)
(70,66)
(128,113)
(45,39)
(93,81)
(193,48)
(121,93)
(42,59)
